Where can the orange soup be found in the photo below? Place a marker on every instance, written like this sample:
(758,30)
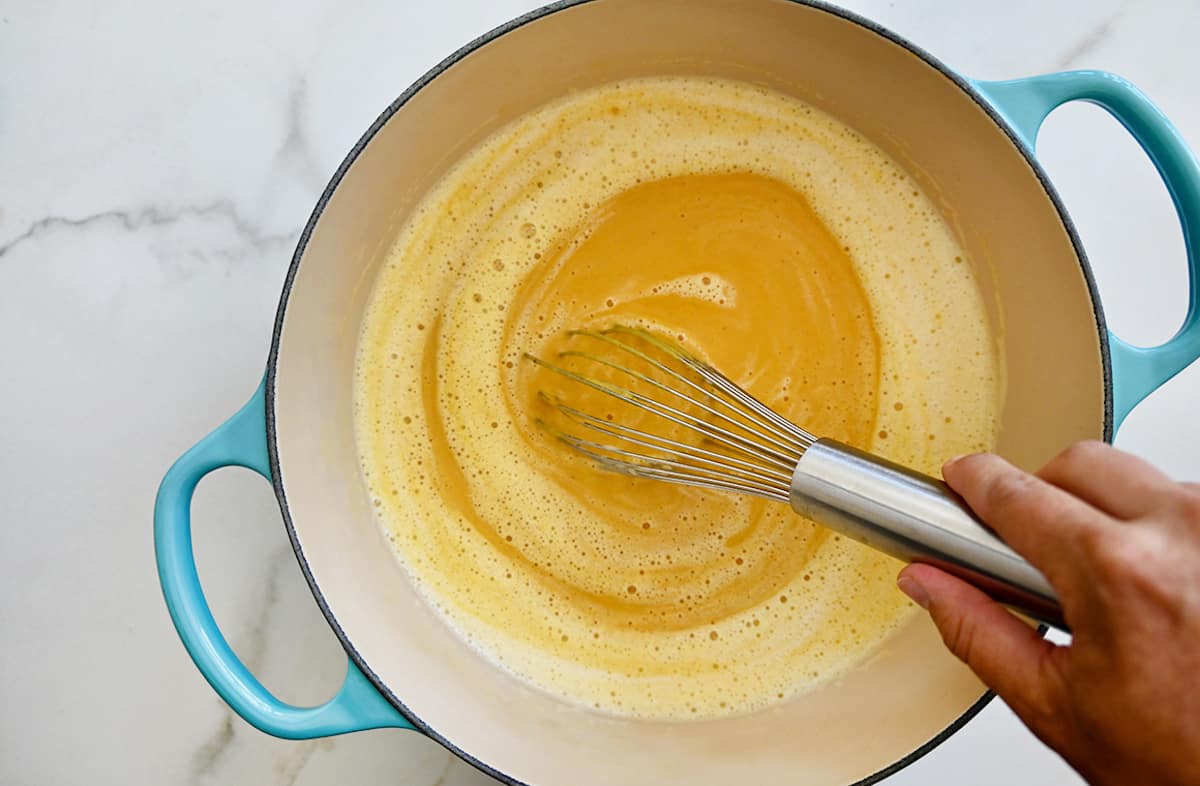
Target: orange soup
(766,237)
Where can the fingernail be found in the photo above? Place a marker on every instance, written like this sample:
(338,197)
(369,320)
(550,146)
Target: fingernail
(913,590)
(953,460)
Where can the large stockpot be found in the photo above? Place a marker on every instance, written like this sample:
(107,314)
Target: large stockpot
(970,144)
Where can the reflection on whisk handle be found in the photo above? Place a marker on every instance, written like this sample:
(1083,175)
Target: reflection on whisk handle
(915,518)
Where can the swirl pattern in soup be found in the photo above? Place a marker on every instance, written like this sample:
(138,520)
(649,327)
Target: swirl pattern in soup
(769,239)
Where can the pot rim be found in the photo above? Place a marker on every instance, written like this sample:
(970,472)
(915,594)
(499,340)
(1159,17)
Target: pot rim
(538,13)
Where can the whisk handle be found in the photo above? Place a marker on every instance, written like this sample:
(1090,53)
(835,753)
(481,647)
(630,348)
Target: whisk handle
(915,518)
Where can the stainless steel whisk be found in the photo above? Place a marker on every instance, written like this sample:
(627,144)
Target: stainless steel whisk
(731,441)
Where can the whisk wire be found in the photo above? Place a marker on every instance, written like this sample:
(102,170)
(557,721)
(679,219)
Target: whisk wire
(798,439)
(679,417)
(660,467)
(744,446)
(719,380)
(641,466)
(656,442)
(755,431)
(711,375)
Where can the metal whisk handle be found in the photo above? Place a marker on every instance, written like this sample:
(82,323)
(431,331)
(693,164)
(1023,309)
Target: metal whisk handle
(915,518)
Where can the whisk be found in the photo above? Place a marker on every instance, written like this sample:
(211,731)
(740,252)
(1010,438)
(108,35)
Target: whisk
(704,430)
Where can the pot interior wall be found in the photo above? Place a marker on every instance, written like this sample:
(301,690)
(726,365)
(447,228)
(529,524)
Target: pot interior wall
(911,690)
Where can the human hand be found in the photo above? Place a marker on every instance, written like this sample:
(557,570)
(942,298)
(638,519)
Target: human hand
(1120,543)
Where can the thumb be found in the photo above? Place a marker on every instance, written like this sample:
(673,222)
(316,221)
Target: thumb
(1006,653)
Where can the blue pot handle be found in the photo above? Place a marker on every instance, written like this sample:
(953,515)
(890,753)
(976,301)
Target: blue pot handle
(241,441)
(1024,103)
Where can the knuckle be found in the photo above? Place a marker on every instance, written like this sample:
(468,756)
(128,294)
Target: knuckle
(958,636)
(1189,502)
(1072,461)
(1147,571)
(1008,490)
(1107,553)
(1134,561)
(1077,452)
(1041,708)
(1096,544)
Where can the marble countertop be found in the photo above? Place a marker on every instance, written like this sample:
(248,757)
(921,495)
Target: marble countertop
(157,162)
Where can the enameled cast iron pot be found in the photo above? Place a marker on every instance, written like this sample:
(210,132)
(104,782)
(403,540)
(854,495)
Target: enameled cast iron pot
(970,144)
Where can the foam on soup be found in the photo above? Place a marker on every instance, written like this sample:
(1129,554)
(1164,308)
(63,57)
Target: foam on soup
(771,240)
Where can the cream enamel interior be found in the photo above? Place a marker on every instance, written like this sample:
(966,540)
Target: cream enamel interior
(847,730)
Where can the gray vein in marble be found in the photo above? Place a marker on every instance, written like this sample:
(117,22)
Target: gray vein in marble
(209,755)
(295,147)
(441,779)
(1089,41)
(155,216)
(293,765)
(254,650)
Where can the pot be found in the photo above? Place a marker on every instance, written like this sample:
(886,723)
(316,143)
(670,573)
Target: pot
(969,143)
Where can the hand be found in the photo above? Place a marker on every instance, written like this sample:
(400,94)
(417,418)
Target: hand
(1120,543)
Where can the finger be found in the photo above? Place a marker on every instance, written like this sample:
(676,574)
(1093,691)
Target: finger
(1006,653)
(1034,517)
(1116,482)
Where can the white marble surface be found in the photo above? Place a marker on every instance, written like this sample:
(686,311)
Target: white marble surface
(157,161)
